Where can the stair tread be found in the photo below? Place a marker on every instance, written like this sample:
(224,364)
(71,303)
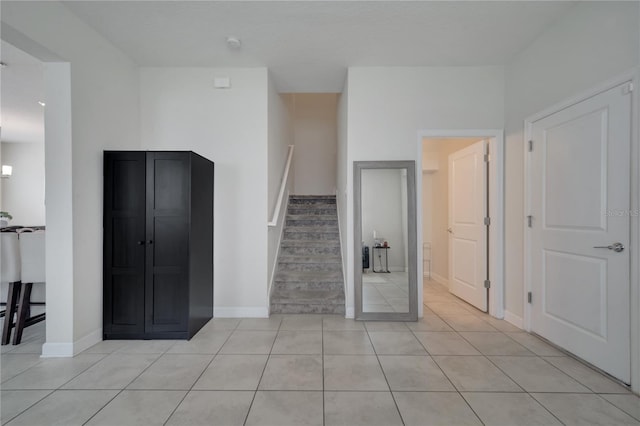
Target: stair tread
(318,228)
(306,197)
(321,297)
(308,206)
(314,258)
(312,216)
(309,276)
(309,243)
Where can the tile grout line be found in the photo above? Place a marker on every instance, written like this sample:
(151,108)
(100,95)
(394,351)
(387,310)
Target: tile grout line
(200,375)
(125,387)
(255,393)
(384,375)
(543,406)
(30,406)
(456,390)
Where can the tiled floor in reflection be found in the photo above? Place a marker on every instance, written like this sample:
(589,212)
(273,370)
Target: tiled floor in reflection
(385,292)
(456,366)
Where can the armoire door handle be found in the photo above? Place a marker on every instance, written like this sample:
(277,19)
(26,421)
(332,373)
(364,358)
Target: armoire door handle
(140,243)
(150,242)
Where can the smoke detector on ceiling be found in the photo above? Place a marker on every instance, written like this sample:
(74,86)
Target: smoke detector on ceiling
(234,43)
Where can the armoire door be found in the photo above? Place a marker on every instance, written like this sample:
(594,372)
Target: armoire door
(167,242)
(124,239)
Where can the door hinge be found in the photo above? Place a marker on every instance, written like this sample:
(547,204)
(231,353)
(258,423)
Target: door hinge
(627,88)
(487,284)
(530,145)
(487,221)
(529,297)
(487,158)
(529,221)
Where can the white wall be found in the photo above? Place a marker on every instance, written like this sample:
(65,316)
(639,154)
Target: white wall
(279,139)
(105,110)
(387,107)
(382,212)
(592,43)
(314,120)
(180,110)
(343,181)
(23,192)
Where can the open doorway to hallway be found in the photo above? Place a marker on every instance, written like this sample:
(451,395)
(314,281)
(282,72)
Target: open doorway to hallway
(454,207)
(22,194)
(461,209)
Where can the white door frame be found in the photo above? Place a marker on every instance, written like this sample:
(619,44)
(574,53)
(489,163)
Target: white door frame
(496,206)
(634,77)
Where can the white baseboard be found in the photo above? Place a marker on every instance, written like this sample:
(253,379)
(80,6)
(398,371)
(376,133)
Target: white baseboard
(513,319)
(68,350)
(440,279)
(57,350)
(241,312)
(87,341)
(350,312)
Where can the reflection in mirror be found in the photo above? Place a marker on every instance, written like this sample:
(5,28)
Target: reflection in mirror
(385,231)
(385,285)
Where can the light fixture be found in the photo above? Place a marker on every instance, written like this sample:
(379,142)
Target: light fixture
(234,43)
(41,103)
(7,171)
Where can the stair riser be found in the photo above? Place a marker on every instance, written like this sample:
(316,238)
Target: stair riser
(312,222)
(280,308)
(282,266)
(313,201)
(329,286)
(309,259)
(309,277)
(300,210)
(298,236)
(310,251)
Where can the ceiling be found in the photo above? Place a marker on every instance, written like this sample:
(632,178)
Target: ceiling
(308,45)
(22,86)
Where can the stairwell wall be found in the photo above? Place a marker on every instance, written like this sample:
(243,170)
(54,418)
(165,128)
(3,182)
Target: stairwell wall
(280,136)
(343,183)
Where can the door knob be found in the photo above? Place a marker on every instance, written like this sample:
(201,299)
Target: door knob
(617,247)
(140,243)
(449,230)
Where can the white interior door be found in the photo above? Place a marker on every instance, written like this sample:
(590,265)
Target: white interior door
(467,230)
(580,197)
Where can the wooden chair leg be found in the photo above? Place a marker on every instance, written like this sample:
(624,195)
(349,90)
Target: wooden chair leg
(12,300)
(23,309)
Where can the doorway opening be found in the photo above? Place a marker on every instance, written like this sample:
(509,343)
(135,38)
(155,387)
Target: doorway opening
(22,195)
(455,205)
(461,215)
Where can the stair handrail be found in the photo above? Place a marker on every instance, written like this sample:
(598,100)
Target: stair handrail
(283,187)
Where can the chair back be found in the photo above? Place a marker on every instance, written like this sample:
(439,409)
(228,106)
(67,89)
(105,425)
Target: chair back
(32,254)
(9,257)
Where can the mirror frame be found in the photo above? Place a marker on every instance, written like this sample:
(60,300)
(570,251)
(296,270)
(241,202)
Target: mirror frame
(412,244)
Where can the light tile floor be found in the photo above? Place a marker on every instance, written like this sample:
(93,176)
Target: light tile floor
(456,366)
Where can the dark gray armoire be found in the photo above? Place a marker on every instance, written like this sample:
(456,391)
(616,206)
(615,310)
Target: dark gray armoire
(158,244)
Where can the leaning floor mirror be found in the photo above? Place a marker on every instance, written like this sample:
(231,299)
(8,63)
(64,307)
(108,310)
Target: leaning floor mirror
(385,241)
